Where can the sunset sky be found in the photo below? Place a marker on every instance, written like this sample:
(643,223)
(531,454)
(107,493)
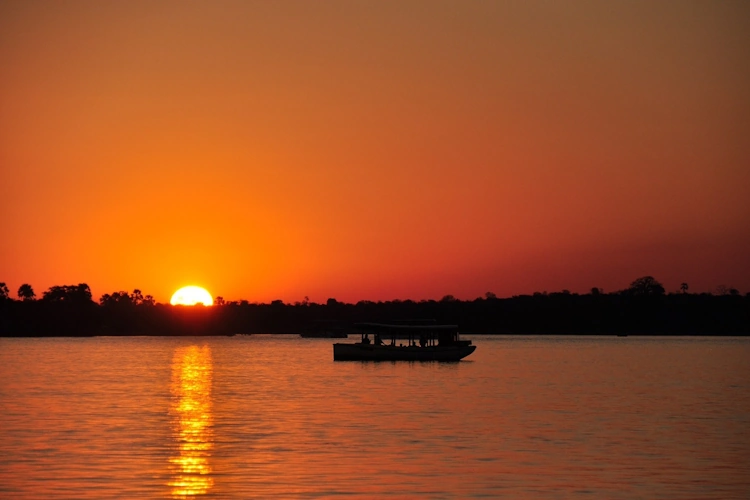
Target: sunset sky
(374,150)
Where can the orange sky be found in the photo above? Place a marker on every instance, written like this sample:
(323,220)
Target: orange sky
(374,150)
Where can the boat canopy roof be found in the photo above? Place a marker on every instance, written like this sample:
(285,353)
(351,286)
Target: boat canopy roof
(384,328)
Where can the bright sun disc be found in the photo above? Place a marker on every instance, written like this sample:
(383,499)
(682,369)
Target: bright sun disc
(191,295)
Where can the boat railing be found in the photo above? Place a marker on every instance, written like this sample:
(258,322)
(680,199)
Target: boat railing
(414,335)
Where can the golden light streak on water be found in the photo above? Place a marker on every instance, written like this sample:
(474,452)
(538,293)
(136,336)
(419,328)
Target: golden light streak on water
(192,421)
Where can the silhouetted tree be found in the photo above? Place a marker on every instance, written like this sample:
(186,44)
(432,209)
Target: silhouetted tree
(25,292)
(219,301)
(4,291)
(116,298)
(80,293)
(490,296)
(125,299)
(136,297)
(684,287)
(448,298)
(596,291)
(646,285)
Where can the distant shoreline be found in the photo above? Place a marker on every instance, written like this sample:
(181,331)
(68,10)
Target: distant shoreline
(600,314)
(642,309)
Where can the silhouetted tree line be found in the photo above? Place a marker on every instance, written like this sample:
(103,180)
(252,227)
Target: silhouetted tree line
(643,308)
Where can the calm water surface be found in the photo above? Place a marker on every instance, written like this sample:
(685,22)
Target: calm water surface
(275,417)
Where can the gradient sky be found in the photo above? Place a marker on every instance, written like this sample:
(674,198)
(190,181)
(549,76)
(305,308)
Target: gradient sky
(374,149)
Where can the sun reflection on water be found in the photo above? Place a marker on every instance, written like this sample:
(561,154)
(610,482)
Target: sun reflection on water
(192,421)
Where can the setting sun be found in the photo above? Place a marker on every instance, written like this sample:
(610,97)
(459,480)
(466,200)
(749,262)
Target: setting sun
(190,296)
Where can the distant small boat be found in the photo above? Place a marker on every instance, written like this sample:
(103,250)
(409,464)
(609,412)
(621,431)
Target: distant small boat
(423,343)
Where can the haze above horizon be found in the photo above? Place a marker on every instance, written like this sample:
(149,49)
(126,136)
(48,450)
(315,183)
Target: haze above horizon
(374,150)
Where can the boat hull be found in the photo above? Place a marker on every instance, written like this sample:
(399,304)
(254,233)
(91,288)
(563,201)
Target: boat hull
(371,352)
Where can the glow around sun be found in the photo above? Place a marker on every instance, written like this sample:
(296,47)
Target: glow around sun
(191,295)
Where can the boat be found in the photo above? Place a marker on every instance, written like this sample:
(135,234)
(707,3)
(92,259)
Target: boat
(404,342)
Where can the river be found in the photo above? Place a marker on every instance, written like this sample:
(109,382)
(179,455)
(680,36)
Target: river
(268,416)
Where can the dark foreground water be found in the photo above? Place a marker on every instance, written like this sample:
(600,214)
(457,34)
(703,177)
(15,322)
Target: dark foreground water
(275,417)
